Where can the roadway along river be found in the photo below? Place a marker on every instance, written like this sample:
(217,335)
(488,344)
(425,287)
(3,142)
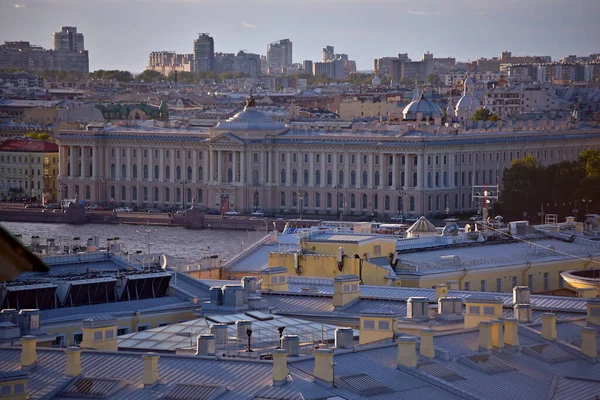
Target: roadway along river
(174,241)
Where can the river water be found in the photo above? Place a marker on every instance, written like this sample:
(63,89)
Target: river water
(174,241)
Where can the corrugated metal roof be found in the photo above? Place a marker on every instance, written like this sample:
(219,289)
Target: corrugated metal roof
(569,388)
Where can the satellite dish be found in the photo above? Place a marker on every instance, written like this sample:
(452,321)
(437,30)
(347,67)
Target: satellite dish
(163,261)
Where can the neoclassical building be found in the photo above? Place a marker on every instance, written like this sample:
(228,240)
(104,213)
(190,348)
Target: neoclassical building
(251,162)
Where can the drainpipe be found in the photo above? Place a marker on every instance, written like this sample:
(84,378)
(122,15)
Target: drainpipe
(525,273)
(461,277)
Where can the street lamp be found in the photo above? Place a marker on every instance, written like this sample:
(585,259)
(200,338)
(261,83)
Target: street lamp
(183,183)
(586,201)
(301,195)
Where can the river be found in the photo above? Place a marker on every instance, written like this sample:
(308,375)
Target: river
(174,241)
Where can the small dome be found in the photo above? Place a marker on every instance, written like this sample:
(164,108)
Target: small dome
(468,102)
(426,107)
(250,119)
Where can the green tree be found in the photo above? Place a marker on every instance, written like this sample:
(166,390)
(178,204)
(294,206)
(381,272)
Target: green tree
(481,114)
(38,135)
(433,79)
(522,186)
(150,76)
(590,162)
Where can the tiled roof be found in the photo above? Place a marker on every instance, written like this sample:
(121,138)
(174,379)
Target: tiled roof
(31,146)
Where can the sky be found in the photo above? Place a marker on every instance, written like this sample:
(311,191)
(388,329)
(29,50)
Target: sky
(119,34)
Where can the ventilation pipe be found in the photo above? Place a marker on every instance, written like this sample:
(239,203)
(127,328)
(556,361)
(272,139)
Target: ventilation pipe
(280,369)
(324,367)
(344,338)
(340,258)
(291,343)
(522,312)
(549,326)
(427,348)
(485,335)
(497,334)
(28,351)
(151,376)
(511,332)
(206,345)
(73,365)
(407,352)
(589,346)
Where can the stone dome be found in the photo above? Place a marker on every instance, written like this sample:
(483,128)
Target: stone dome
(468,102)
(250,119)
(426,107)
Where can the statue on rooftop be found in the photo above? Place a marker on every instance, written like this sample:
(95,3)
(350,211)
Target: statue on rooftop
(250,102)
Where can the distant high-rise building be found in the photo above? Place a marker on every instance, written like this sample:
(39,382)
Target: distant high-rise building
(307,66)
(247,63)
(279,56)
(166,62)
(224,62)
(67,39)
(327,54)
(204,53)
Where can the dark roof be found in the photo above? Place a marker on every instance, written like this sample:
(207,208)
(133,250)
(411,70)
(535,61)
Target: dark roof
(33,146)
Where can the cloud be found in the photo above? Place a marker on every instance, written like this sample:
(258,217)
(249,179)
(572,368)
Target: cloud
(420,12)
(20,6)
(247,25)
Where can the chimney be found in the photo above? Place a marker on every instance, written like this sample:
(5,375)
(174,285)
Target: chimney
(522,312)
(407,351)
(521,295)
(206,345)
(150,369)
(549,326)
(221,334)
(344,338)
(497,333)
(511,332)
(593,312)
(291,343)
(346,291)
(441,290)
(73,365)
(274,279)
(485,335)
(589,346)
(417,307)
(100,333)
(427,348)
(324,367)
(482,309)
(450,308)
(280,369)
(28,351)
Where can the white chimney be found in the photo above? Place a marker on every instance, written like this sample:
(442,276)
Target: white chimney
(206,345)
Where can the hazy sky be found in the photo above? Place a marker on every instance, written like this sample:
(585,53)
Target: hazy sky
(119,34)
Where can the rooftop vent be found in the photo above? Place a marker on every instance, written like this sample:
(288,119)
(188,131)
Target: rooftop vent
(98,388)
(548,352)
(486,363)
(193,391)
(362,384)
(440,371)
(417,307)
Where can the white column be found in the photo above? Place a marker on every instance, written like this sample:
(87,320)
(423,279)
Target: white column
(323,171)
(273,177)
(95,150)
(211,167)
(172,155)
(347,158)
(128,164)
(395,183)
(234,159)
(407,177)
(441,170)
(334,172)
(359,173)
(311,169)
(161,165)
(219,166)
(420,171)
(72,160)
(195,168)
(242,167)
(206,169)
(83,162)
(262,167)
(288,169)
(370,177)
(150,168)
(118,164)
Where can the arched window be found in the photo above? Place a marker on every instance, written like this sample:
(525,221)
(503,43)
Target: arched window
(155,195)
(255,199)
(429,180)
(294,199)
(144,194)
(446,202)
(437,202)
(437,179)
(305,177)
(167,172)
(75,189)
(229,175)
(123,171)
(340,201)
(282,199)
(445,178)
(178,195)
(390,179)
(328,201)
(282,176)
(462,201)
(112,193)
(411,203)
(317,200)
(79,170)
(364,202)
(429,201)
(69,169)
(113,172)
(178,173)
(189,173)
(329,177)
(88,192)
(375,202)
(386,203)
(376,178)
(90,170)
(255,177)
(145,172)
(365,178)
(200,197)
(200,174)
(156,172)
(134,172)
(341,178)
(353,178)
(134,193)
(415,179)
(402,179)
(167,195)
(123,193)
(317,177)
(352,201)
(294,177)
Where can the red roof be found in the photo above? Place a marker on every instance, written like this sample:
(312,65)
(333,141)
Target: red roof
(29,146)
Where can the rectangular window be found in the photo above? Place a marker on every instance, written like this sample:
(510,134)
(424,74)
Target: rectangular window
(499,285)
(470,158)
(78,337)
(483,286)
(155,153)
(98,335)
(428,160)
(353,159)
(112,152)
(164,324)
(282,279)
(294,157)
(368,324)
(476,157)
(328,158)
(305,158)
(377,250)
(254,157)
(383,325)
(515,282)
(189,155)
(483,157)
(123,153)
(166,153)
(341,158)
(145,153)
(347,288)
(200,155)
(5,390)
(530,282)
(317,158)
(376,160)
(355,287)
(546,281)
(144,327)
(109,334)
(273,279)
(488,310)
(365,160)
(467,286)
(473,309)
(19,388)
(122,331)
(391,160)
(134,151)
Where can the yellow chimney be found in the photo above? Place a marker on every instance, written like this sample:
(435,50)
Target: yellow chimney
(593,312)
(485,335)
(73,365)
(497,333)
(441,290)
(150,369)
(511,332)
(375,326)
(549,326)
(481,309)
(427,348)
(100,333)
(324,367)
(407,351)
(28,351)
(346,291)
(589,346)
(274,279)
(280,368)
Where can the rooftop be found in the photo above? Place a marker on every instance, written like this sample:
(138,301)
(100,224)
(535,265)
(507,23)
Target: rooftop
(29,146)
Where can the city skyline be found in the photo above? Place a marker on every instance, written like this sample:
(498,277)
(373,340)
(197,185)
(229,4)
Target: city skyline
(364,30)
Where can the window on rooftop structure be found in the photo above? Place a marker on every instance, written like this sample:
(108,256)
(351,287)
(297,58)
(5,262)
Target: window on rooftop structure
(546,281)
(377,250)
(488,310)
(19,388)
(368,324)
(474,310)
(467,286)
(5,390)
(144,327)
(383,325)
(77,338)
(530,282)
(514,281)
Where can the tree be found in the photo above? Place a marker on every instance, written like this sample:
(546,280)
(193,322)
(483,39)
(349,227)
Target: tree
(433,79)
(150,75)
(481,114)
(590,162)
(117,75)
(38,135)
(522,186)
